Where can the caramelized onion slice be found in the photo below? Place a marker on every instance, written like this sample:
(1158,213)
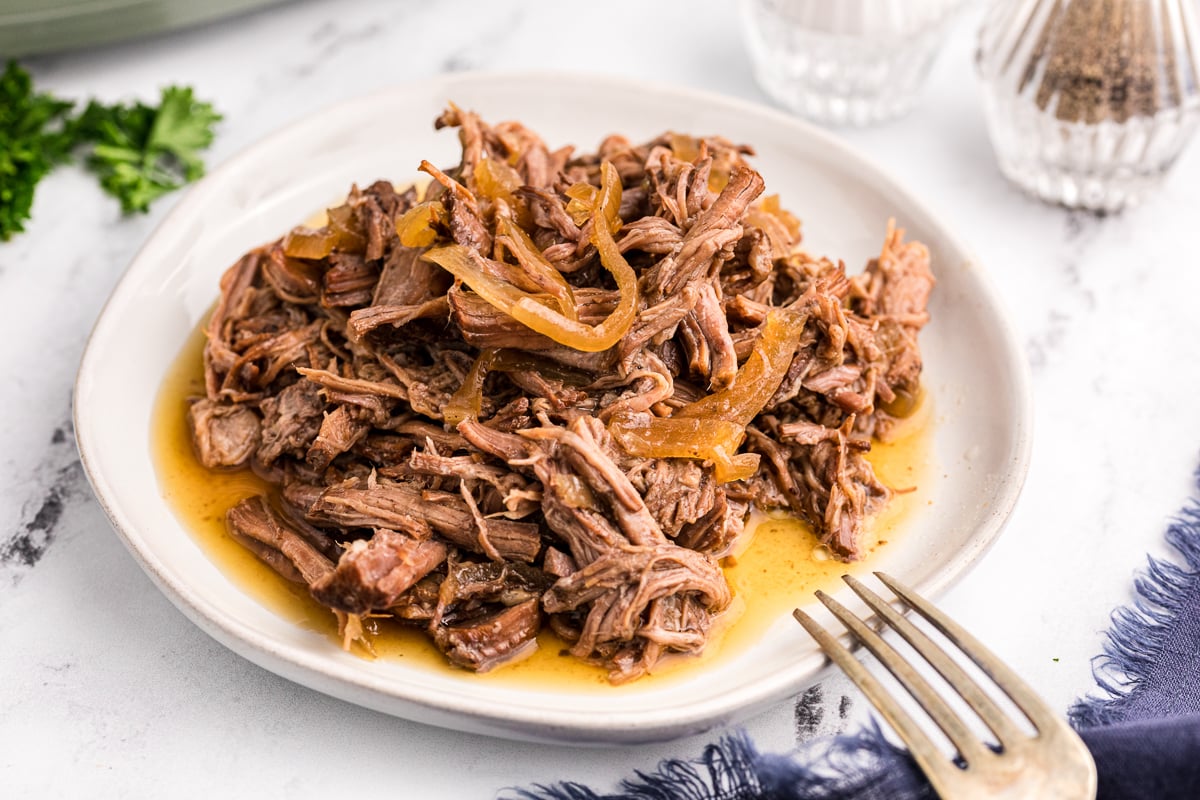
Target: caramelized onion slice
(418,226)
(308,243)
(644,435)
(713,427)
(586,198)
(534,311)
(496,180)
(536,266)
(582,201)
(340,233)
(759,377)
(467,402)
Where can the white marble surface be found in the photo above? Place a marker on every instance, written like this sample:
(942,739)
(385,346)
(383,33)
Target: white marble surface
(107,691)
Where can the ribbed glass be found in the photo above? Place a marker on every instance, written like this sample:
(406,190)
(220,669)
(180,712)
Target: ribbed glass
(845,61)
(1089,102)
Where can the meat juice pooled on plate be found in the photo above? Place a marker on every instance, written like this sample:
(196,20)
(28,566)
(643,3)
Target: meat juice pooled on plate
(549,391)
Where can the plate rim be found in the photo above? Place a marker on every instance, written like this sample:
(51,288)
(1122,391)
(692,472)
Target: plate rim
(507,719)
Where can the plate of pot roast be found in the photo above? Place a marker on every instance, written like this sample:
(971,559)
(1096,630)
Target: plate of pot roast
(534,414)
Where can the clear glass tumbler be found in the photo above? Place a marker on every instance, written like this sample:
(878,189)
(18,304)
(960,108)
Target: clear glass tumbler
(845,62)
(1089,102)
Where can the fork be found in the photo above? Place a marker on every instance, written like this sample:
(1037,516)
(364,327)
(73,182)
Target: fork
(1051,763)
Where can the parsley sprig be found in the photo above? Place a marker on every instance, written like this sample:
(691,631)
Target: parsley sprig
(34,138)
(141,152)
(138,152)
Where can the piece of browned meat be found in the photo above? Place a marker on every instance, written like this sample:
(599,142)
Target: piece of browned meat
(291,421)
(390,504)
(225,435)
(373,573)
(285,549)
(486,642)
(488,613)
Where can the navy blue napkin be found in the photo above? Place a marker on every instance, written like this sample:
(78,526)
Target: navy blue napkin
(1143,729)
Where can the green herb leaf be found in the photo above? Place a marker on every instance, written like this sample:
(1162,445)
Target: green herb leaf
(141,153)
(34,138)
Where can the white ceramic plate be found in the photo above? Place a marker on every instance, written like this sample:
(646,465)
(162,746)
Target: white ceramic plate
(975,374)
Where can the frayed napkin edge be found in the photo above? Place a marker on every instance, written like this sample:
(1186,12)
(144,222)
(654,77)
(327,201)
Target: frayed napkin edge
(1139,632)
(864,763)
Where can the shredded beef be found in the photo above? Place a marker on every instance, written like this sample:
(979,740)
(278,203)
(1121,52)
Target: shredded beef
(442,463)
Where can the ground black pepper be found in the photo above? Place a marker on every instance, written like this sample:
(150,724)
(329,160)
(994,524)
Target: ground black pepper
(1098,60)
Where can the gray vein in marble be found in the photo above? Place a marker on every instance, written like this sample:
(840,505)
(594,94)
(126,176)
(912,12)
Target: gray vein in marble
(823,710)
(1045,342)
(1074,297)
(327,40)
(1077,224)
(1107,515)
(335,40)
(1079,230)
(479,50)
(808,713)
(38,527)
(457,62)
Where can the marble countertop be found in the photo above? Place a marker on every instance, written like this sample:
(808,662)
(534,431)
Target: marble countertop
(108,691)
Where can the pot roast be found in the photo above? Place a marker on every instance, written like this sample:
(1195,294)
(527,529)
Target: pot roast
(548,389)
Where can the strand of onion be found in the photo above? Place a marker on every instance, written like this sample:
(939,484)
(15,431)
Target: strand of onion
(535,311)
(713,427)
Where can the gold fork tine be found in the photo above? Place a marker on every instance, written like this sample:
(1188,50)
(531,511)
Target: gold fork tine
(1017,690)
(1000,724)
(967,743)
(1053,763)
(935,766)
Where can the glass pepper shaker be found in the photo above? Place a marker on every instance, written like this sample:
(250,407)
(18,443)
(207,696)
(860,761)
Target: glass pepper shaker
(845,62)
(1089,102)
